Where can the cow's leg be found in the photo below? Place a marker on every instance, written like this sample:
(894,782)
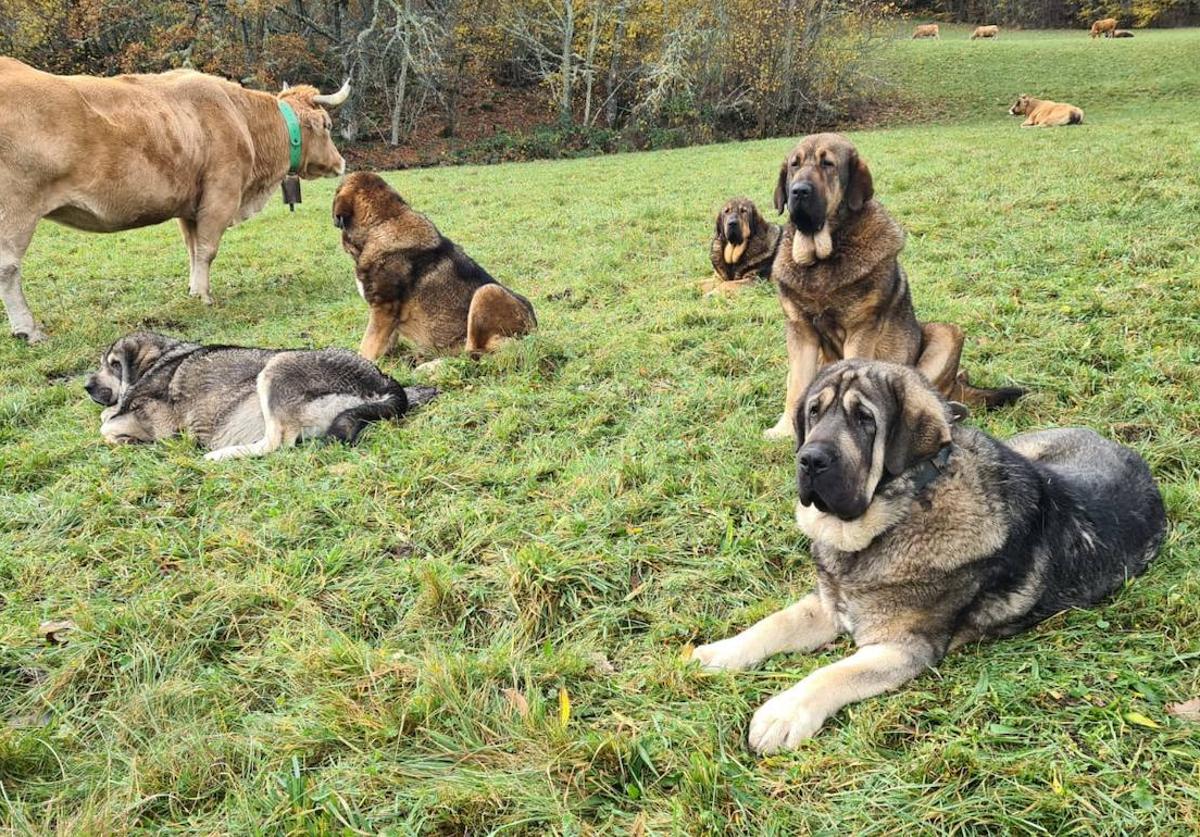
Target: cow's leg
(13,243)
(211,222)
(187,228)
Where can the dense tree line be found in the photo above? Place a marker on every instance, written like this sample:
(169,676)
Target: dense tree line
(1057,13)
(730,66)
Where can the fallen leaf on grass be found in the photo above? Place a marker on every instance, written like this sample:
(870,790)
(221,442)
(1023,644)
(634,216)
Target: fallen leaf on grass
(55,631)
(517,701)
(1141,720)
(1189,710)
(564,707)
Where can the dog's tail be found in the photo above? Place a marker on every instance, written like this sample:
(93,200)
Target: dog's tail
(988,399)
(348,424)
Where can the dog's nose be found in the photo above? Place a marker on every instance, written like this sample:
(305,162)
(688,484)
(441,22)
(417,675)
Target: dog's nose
(814,460)
(802,189)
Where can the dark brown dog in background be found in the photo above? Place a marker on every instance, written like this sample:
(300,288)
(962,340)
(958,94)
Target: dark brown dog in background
(418,283)
(743,246)
(841,286)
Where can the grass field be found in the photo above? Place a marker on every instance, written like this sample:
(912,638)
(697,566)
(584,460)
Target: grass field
(475,620)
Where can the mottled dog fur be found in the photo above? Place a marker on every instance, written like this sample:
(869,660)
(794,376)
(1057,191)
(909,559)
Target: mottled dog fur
(239,401)
(841,285)
(927,534)
(418,283)
(743,246)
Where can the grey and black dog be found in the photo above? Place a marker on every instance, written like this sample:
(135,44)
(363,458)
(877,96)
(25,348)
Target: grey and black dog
(927,534)
(240,401)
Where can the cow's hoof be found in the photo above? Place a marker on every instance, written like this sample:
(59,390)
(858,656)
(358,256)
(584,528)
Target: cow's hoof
(34,335)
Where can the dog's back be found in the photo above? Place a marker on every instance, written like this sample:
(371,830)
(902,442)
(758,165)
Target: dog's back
(1102,516)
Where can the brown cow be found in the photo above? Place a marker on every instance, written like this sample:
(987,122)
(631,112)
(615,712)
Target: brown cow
(985,32)
(110,154)
(926,30)
(1103,27)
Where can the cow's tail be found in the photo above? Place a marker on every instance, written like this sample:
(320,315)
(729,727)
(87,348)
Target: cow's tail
(1076,117)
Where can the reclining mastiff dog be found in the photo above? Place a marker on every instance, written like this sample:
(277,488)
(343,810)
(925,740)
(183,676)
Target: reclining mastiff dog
(110,154)
(1042,113)
(743,246)
(985,32)
(841,285)
(417,283)
(926,30)
(240,401)
(927,535)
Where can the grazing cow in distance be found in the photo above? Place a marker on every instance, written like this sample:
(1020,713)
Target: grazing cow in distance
(926,30)
(110,154)
(985,32)
(1103,27)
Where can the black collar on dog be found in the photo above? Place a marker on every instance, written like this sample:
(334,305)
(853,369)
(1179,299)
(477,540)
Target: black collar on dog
(926,471)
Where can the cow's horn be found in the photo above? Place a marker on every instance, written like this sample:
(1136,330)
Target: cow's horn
(333,100)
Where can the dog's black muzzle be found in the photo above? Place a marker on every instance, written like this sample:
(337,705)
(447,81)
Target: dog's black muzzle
(99,393)
(822,482)
(733,232)
(806,206)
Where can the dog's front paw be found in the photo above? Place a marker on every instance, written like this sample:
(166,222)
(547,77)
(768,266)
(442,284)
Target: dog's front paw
(726,655)
(782,430)
(782,723)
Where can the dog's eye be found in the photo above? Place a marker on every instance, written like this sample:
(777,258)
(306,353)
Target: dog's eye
(813,409)
(827,163)
(864,418)
(114,366)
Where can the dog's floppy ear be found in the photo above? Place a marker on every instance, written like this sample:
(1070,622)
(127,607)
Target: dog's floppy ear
(135,361)
(720,233)
(781,188)
(919,427)
(343,210)
(756,220)
(861,188)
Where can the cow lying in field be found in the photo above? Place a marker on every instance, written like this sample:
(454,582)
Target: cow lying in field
(110,154)
(985,32)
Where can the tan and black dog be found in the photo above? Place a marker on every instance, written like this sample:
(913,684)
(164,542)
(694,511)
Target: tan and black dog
(1042,113)
(841,286)
(418,283)
(928,534)
(743,246)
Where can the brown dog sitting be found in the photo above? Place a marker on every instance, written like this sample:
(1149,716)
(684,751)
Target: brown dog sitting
(841,286)
(743,246)
(418,283)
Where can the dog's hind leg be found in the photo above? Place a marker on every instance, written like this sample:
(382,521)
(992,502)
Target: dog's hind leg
(941,349)
(496,314)
(276,432)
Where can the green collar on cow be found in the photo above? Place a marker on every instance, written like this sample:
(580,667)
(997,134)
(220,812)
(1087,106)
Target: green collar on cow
(293,126)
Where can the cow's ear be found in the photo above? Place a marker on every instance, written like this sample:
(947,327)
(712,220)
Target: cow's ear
(781,188)
(919,428)
(861,188)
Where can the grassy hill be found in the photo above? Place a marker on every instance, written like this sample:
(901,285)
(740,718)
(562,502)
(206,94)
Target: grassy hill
(476,619)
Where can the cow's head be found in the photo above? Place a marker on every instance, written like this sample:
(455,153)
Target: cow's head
(319,157)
